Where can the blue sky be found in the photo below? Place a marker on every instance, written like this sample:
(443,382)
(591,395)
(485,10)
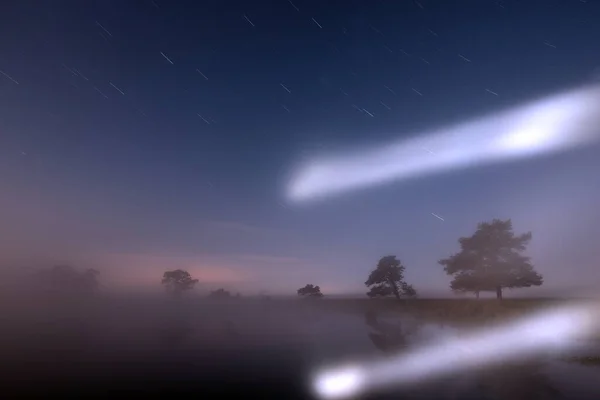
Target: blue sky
(116,155)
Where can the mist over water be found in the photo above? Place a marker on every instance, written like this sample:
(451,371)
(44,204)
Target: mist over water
(139,340)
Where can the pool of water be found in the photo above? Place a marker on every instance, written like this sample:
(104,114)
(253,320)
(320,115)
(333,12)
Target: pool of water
(316,336)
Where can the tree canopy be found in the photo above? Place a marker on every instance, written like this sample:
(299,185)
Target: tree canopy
(68,280)
(388,279)
(178,281)
(310,291)
(491,259)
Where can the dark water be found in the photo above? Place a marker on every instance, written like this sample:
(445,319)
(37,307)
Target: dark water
(106,346)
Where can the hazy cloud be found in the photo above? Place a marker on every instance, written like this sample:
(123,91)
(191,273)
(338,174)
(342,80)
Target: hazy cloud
(230,227)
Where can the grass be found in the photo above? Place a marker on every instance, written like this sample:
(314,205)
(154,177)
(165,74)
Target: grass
(591,361)
(463,312)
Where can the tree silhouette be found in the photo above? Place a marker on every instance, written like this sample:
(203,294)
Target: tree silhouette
(491,259)
(219,294)
(178,281)
(310,291)
(90,279)
(67,280)
(388,279)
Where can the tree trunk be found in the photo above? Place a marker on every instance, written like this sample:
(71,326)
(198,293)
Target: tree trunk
(477,294)
(395,290)
(499,292)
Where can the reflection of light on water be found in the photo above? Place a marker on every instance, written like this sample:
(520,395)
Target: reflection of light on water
(554,330)
(340,383)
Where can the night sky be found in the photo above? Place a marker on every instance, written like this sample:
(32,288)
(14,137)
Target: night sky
(139,136)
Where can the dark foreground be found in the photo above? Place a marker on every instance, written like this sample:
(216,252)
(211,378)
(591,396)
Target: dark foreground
(171,375)
(125,347)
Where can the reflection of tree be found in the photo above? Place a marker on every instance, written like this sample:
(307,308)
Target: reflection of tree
(387,337)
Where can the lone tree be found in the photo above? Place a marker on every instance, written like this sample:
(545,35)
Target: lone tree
(490,260)
(388,279)
(178,281)
(310,291)
(90,279)
(67,280)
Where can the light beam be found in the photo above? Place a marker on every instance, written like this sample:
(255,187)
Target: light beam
(553,331)
(549,125)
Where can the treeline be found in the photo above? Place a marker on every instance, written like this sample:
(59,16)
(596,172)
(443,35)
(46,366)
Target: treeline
(490,260)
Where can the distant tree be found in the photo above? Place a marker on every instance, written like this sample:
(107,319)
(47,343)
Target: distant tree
(219,294)
(65,279)
(90,279)
(310,291)
(178,281)
(388,279)
(491,259)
